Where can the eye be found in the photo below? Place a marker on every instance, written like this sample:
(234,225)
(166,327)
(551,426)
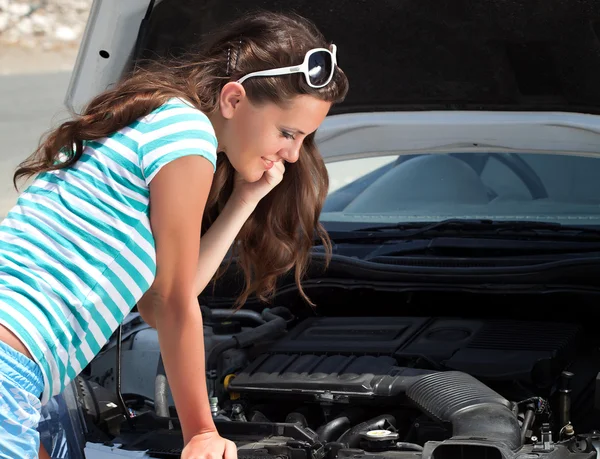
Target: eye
(287,135)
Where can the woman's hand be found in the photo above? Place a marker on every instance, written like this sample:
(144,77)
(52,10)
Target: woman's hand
(251,193)
(209,445)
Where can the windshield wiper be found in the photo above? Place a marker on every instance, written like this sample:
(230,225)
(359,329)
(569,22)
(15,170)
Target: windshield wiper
(476,227)
(479,247)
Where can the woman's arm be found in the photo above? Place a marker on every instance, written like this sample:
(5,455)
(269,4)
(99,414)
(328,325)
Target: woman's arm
(219,238)
(214,246)
(222,233)
(178,195)
(171,304)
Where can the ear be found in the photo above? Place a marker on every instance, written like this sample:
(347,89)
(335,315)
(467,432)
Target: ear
(231,96)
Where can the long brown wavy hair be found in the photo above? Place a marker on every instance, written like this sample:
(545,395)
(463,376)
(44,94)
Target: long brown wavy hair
(280,233)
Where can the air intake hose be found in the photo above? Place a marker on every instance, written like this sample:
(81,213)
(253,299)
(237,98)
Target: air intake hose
(473,409)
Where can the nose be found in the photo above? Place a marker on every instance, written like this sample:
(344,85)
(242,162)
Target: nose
(292,153)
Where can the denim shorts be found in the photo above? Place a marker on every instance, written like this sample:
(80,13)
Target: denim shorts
(21,384)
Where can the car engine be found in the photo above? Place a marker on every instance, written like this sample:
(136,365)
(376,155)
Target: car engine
(352,387)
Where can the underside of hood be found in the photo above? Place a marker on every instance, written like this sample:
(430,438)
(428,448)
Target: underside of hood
(534,55)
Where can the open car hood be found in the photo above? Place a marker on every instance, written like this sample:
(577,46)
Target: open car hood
(400,55)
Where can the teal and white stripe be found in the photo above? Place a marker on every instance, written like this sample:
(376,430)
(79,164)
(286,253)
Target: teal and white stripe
(77,251)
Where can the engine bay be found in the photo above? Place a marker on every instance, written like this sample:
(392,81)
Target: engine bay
(329,387)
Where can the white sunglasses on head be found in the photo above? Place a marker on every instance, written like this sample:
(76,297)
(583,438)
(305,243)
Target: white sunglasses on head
(318,67)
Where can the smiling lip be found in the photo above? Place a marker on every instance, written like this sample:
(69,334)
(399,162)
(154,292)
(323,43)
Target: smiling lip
(268,163)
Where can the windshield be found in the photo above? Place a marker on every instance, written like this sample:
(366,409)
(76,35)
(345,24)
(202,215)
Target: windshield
(436,186)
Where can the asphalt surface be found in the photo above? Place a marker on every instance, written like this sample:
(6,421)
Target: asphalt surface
(31,104)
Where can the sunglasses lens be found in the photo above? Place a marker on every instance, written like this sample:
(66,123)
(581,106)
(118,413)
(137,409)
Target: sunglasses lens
(320,66)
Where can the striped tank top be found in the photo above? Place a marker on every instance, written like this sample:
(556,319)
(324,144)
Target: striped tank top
(77,251)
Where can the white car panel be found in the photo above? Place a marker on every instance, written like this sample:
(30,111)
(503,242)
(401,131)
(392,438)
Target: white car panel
(106,49)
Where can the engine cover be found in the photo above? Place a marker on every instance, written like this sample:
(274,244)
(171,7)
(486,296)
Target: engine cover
(350,335)
(357,357)
(328,378)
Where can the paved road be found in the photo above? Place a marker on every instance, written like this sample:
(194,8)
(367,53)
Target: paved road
(30,105)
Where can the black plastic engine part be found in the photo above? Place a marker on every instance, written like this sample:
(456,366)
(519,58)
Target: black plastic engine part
(335,378)
(475,448)
(350,335)
(281,447)
(100,409)
(456,398)
(355,453)
(496,349)
(274,326)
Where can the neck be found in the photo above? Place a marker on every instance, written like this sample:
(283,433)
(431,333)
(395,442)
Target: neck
(217,121)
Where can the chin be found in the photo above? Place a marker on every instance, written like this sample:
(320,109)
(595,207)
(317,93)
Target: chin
(258,175)
(252,176)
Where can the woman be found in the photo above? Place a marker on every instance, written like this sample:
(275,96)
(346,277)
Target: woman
(122,194)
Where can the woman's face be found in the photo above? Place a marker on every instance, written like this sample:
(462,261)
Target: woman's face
(255,137)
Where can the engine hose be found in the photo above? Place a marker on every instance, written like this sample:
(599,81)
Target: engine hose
(352,437)
(161,404)
(336,427)
(408,446)
(333,429)
(528,422)
(278,311)
(241,314)
(473,409)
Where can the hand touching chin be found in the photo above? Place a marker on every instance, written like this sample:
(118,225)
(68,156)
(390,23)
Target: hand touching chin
(252,192)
